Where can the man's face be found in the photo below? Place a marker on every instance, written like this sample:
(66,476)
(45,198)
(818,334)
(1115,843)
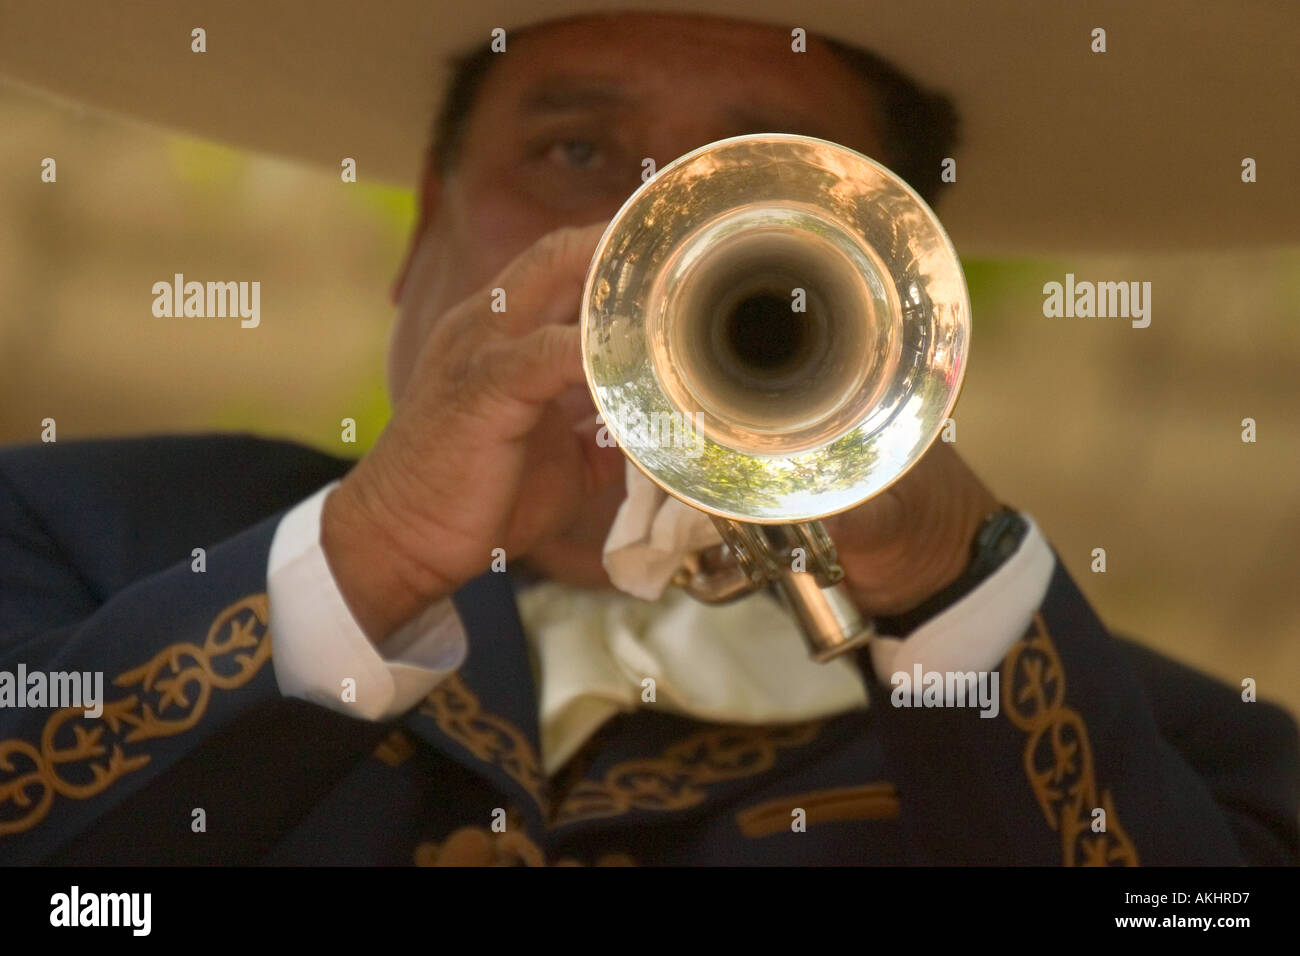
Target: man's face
(564,120)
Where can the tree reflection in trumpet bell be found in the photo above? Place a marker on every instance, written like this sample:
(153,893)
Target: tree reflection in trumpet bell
(858,399)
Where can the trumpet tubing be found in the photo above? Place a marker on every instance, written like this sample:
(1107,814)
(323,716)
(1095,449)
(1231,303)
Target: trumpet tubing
(802,312)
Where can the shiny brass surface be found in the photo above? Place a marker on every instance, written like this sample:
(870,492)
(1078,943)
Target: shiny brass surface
(775,328)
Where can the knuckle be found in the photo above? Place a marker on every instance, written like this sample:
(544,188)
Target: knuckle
(498,372)
(551,247)
(561,244)
(553,343)
(462,378)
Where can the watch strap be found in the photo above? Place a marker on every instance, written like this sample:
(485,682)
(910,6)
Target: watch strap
(998,538)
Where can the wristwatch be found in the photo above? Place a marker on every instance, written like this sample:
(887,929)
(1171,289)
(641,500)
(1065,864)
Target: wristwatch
(997,539)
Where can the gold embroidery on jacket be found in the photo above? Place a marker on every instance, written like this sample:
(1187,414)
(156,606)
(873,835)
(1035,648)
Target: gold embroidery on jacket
(395,749)
(488,737)
(1058,754)
(871,801)
(677,780)
(171,694)
(673,781)
(477,846)
(481,846)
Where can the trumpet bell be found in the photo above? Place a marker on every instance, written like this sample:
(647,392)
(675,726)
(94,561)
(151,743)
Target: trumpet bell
(775,328)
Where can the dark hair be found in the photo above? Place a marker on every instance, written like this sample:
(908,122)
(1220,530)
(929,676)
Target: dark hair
(920,127)
(467,74)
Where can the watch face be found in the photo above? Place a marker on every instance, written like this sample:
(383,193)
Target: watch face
(997,541)
(1009,540)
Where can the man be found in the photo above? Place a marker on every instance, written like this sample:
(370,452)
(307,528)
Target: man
(407,714)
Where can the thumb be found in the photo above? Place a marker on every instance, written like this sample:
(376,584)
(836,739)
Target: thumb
(544,283)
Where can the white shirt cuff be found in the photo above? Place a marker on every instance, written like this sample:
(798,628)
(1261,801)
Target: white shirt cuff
(975,633)
(322,655)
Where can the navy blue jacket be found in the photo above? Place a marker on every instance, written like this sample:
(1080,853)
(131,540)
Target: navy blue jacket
(95,574)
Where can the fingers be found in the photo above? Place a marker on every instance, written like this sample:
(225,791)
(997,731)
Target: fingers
(543,285)
(539,367)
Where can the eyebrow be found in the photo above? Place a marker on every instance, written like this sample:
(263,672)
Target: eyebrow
(570,96)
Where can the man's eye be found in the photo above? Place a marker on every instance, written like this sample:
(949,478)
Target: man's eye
(575,153)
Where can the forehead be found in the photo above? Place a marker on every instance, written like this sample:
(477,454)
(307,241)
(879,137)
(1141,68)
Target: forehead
(674,64)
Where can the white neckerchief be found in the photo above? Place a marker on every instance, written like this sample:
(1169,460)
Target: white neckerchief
(741,663)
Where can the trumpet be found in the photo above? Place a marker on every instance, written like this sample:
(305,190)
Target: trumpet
(793,321)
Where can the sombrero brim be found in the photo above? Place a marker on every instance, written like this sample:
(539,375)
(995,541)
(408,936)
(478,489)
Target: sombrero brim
(1064,149)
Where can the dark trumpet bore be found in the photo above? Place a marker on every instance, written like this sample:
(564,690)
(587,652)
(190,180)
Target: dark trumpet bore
(765,333)
(767,330)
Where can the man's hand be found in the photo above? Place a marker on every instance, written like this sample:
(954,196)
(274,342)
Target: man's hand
(482,454)
(914,539)
(479,454)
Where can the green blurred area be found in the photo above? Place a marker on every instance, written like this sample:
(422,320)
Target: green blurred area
(208,171)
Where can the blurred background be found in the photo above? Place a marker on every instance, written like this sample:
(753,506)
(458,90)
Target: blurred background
(1112,437)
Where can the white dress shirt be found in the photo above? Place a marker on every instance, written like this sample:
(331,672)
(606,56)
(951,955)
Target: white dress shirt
(738,663)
